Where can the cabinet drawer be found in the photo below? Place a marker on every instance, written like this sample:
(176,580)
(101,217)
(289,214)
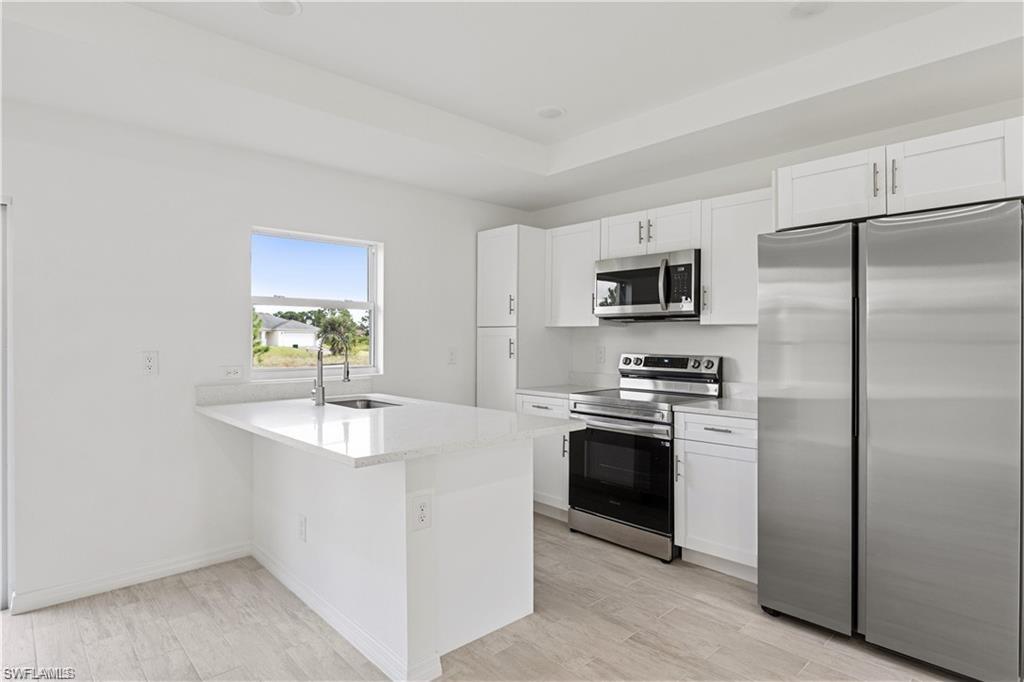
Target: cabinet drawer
(543,407)
(708,428)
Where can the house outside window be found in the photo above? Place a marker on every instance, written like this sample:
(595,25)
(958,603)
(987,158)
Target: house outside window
(299,281)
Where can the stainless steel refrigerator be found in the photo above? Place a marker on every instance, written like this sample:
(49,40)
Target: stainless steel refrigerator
(889,462)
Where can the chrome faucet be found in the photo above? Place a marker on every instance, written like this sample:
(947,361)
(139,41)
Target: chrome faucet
(318,383)
(344,374)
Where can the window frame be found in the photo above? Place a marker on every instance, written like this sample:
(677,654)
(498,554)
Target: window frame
(374,304)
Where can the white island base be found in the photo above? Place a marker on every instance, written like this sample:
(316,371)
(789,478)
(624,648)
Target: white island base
(408,528)
(377,576)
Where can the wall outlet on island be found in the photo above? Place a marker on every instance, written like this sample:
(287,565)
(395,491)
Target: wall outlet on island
(451,355)
(421,512)
(150,363)
(600,356)
(303,527)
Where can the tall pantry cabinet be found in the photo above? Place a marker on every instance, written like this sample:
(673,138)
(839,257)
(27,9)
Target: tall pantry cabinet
(514,348)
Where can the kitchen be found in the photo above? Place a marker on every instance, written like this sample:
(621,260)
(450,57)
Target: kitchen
(534,298)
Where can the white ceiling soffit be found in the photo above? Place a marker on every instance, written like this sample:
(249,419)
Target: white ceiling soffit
(130,64)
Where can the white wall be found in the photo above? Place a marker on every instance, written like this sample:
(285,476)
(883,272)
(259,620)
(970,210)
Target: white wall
(738,343)
(119,227)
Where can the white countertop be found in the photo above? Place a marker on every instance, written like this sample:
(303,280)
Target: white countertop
(722,407)
(359,438)
(557,391)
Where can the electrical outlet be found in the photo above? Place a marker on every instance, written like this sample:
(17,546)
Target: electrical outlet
(303,526)
(600,356)
(421,512)
(231,372)
(451,355)
(150,362)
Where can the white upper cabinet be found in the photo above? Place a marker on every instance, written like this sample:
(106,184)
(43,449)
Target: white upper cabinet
(496,276)
(496,353)
(959,167)
(571,253)
(980,163)
(624,235)
(658,230)
(826,190)
(674,228)
(730,226)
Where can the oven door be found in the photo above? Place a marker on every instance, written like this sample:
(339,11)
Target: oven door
(623,470)
(661,285)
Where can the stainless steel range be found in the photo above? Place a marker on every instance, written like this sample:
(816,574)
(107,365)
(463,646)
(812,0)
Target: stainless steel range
(621,467)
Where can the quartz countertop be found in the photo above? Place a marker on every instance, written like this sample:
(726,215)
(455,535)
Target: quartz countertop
(360,438)
(722,407)
(557,391)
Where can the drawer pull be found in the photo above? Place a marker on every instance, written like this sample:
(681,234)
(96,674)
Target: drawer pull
(717,429)
(541,407)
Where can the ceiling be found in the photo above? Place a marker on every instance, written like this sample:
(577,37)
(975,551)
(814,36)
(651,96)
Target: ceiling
(497,63)
(443,95)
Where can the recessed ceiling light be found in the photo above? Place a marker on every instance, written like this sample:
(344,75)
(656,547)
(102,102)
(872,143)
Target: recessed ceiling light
(281,8)
(806,8)
(551,112)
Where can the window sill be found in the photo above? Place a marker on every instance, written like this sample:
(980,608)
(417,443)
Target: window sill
(264,376)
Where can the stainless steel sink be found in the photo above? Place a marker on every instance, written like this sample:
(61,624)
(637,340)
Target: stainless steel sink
(361,403)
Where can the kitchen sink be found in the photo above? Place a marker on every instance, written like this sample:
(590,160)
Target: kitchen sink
(361,403)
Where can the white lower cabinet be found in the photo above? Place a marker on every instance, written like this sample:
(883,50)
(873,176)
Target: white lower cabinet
(716,500)
(550,453)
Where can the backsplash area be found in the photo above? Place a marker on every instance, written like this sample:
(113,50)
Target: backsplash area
(596,350)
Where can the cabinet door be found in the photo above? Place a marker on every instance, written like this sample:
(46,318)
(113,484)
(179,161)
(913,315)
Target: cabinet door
(720,500)
(496,368)
(550,453)
(624,235)
(833,189)
(571,253)
(674,228)
(959,167)
(497,253)
(728,264)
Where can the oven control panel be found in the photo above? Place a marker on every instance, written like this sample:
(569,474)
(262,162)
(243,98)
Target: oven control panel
(671,364)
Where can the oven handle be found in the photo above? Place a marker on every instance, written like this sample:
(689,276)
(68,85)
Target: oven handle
(659,431)
(661,283)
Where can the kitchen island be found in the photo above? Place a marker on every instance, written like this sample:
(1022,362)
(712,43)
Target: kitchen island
(407,527)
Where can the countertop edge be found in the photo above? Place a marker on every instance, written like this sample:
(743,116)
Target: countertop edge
(210,412)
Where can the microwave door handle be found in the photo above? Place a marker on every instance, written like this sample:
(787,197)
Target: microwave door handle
(661,283)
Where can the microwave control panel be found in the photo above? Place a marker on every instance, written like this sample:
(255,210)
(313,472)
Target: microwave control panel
(681,285)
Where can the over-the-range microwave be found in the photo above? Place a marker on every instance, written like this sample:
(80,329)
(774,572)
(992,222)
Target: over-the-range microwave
(653,287)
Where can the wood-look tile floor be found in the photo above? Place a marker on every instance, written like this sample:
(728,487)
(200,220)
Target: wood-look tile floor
(601,613)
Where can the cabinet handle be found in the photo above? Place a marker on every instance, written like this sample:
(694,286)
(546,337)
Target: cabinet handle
(717,429)
(565,446)
(511,304)
(649,226)
(541,407)
(640,231)
(894,176)
(874,179)
(593,302)
(511,348)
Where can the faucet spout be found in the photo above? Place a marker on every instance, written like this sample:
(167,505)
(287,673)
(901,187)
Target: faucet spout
(318,383)
(345,376)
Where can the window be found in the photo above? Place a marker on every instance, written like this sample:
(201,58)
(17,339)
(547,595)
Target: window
(302,284)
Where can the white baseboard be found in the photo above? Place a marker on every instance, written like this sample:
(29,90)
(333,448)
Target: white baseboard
(390,663)
(550,511)
(23,602)
(736,570)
